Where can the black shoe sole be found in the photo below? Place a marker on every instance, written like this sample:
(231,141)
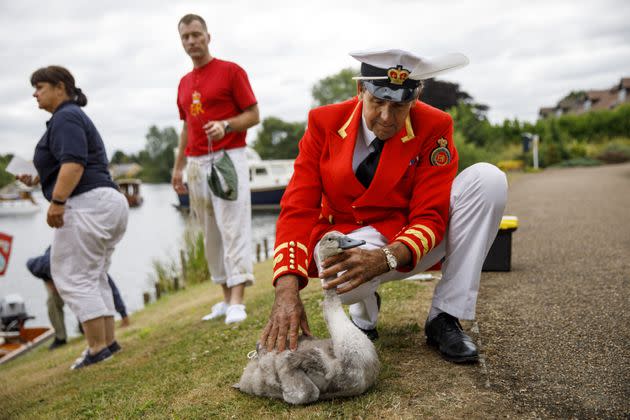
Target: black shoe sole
(453,359)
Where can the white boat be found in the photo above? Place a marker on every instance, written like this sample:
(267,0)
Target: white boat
(17,203)
(268,179)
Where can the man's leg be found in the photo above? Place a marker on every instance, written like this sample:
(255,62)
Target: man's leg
(55,314)
(234,219)
(478,199)
(202,209)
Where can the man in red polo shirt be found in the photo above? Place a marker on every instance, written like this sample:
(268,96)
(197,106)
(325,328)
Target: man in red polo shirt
(217,105)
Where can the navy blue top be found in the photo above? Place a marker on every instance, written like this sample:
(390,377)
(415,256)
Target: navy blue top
(71,137)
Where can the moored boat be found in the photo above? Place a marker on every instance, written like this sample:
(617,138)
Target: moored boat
(130,188)
(15,338)
(17,202)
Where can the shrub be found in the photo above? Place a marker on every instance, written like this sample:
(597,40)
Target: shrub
(581,161)
(615,153)
(469,154)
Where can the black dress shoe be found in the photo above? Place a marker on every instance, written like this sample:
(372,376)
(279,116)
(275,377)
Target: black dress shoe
(372,334)
(56,344)
(445,332)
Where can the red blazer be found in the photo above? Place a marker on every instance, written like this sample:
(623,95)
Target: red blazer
(407,201)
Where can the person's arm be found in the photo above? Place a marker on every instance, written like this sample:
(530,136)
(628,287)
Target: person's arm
(287,316)
(69,176)
(301,207)
(177,179)
(28,180)
(241,122)
(361,265)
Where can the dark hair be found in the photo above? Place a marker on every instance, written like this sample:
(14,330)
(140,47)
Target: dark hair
(187,19)
(55,75)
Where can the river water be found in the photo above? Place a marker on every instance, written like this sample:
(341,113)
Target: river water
(155,231)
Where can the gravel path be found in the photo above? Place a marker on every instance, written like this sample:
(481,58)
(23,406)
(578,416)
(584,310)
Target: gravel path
(555,330)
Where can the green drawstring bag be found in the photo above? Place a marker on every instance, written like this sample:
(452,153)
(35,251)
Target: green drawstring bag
(223,180)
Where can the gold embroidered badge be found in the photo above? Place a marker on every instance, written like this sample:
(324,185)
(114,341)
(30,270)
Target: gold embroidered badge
(196,107)
(441,156)
(397,75)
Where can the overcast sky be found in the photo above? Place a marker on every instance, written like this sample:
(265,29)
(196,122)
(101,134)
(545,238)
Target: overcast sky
(127,57)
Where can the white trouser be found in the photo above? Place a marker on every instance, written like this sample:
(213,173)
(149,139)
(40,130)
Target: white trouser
(478,198)
(80,255)
(227,225)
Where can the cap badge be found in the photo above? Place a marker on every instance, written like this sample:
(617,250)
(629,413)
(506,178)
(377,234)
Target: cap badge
(397,75)
(441,156)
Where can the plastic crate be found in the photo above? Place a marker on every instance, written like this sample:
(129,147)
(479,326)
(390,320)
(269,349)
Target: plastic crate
(499,257)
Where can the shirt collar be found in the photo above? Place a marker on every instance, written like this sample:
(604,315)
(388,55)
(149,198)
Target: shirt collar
(368,136)
(61,105)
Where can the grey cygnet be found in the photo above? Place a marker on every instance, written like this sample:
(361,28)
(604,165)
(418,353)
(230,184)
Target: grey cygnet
(342,366)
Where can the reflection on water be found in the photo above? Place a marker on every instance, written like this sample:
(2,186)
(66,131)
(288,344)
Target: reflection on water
(155,231)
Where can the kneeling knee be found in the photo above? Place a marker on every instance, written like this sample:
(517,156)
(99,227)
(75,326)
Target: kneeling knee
(491,180)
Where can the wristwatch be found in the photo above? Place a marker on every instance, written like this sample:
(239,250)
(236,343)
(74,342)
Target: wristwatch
(226,126)
(392,262)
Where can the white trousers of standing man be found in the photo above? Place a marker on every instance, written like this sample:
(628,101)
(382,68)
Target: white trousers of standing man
(227,225)
(478,198)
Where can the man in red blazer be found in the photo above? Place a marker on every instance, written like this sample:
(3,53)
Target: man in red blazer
(382,168)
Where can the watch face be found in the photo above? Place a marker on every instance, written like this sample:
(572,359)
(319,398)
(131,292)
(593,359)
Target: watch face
(391,260)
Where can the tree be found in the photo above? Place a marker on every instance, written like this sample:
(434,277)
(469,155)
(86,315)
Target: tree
(158,156)
(5,177)
(279,139)
(443,95)
(336,88)
(120,157)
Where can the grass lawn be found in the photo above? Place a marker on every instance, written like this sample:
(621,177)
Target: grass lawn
(174,365)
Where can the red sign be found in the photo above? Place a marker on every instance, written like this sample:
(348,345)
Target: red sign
(5,251)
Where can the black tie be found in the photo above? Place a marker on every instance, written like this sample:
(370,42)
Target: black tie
(367,168)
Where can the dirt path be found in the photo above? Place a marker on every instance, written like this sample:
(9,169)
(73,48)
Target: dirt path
(555,331)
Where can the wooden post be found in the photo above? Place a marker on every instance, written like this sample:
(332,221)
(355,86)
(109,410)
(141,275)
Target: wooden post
(266,245)
(182,260)
(158,291)
(146,297)
(176,283)
(257,252)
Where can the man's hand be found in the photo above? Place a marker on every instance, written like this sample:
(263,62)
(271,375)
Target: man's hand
(28,180)
(55,215)
(215,130)
(287,316)
(177,180)
(360,265)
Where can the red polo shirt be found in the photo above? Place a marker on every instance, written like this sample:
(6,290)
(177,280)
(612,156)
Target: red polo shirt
(217,91)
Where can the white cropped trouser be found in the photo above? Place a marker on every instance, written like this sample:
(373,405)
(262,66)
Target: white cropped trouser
(478,198)
(80,254)
(226,225)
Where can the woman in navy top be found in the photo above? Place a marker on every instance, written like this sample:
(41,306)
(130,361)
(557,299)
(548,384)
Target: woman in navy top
(88,212)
